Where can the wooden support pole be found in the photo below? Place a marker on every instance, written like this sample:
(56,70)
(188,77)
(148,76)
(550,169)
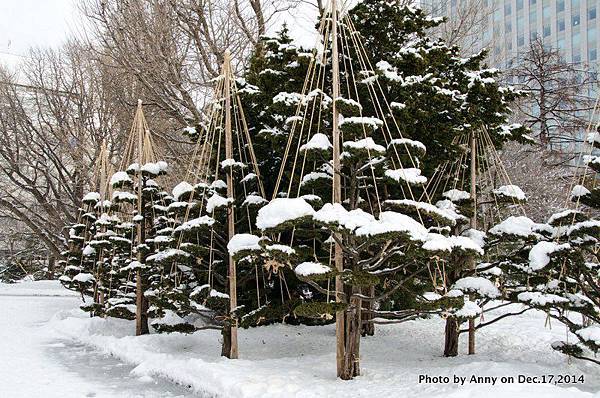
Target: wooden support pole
(233,352)
(473,225)
(141,314)
(337,193)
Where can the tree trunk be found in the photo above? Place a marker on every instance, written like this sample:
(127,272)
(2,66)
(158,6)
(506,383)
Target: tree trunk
(226,347)
(141,302)
(368,327)
(451,341)
(471,336)
(352,322)
(51,265)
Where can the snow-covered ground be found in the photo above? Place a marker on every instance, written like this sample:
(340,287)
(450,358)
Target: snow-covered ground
(35,362)
(65,353)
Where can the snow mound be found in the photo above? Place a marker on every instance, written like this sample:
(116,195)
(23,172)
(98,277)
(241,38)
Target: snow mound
(479,285)
(539,255)
(456,195)
(311,268)
(282,210)
(540,299)
(390,222)
(319,141)
(335,213)
(511,192)
(91,197)
(590,333)
(520,226)
(366,144)
(120,177)
(183,188)
(439,242)
(579,191)
(410,176)
(469,310)
(243,242)
(216,201)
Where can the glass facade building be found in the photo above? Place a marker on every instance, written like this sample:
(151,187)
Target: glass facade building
(572,26)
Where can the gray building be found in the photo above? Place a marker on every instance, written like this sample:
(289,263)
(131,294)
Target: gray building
(508,26)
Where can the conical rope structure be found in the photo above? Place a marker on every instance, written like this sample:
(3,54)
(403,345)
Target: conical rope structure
(345,201)
(213,212)
(476,186)
(567,261)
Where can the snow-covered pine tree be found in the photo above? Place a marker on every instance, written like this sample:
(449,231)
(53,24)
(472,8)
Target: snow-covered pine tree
(477,188)
(207,258)
(88,255)
(82,258)
(435,95)
(564,268)
(102,245)
(373,229)
(138,217)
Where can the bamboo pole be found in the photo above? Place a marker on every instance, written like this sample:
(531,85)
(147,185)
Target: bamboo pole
(139,288)
(473,225)
(337,193)
(233,352)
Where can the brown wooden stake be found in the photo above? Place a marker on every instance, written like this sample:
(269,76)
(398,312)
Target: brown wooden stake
(337,196)
(473,225)
(233,352)
(141,314)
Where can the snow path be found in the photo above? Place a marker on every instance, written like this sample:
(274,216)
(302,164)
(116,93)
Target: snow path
(38,363)
(287,361)
(62,358)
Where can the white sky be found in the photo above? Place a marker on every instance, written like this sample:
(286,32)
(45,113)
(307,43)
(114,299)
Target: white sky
(32,23)
(43,23)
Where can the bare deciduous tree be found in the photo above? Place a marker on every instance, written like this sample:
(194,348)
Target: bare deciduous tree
(173,48)
(558,105)
(542,175)
(53,126)
(466,25)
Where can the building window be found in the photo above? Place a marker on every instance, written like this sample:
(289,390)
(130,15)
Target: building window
(533,36)
(575,20)
(576,44)
(532,17)
(592,13)
(547,30)
(592,54)
(576,58)
(520,40)
(520,24)
(591,34)
(532,2)
(560,25)
(508,27)
(546,11)
(560,5)
(519,5)
(507,9)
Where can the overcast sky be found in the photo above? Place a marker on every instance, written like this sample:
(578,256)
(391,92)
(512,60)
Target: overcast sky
(33,23)
(30,23)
